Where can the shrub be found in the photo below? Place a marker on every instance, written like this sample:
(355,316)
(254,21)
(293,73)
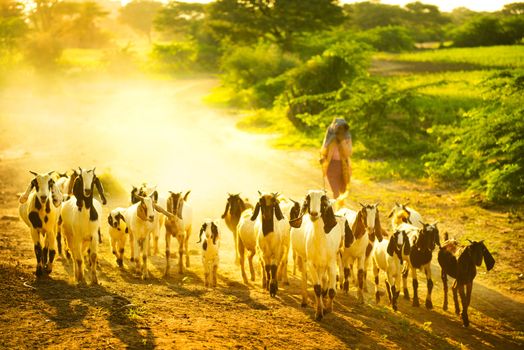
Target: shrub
(488,31)
(310,86)
(42,50)
(485,150)
(390,38)
(254,69)
(175,57)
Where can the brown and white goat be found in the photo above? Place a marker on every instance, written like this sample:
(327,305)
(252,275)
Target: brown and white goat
(39,208)
(461,262)
(80,222)
(235,206)
(210,251)
(178,225)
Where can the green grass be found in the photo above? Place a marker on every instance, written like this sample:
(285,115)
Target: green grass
(488,57)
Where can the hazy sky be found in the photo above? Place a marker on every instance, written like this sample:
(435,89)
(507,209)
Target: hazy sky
(444,5)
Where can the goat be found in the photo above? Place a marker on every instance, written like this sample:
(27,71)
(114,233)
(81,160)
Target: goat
(118,231)
(80,222)
(179,226)
(460,262)
(39,209)
(246,239)
(323,238)
(356,252)
(270,230)
(423,241)
(298,242)
(387,256)
(140,219)
(235,206)
(401,213)
(210,251)
(143,191)
(371,216)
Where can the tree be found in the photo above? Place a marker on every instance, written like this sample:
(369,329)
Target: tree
(516,8)
(181,18)
(140,14)
(368,15)
(278,21)
(484,31)
(12,24)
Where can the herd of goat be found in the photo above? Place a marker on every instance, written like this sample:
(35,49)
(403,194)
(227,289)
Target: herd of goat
(328,241)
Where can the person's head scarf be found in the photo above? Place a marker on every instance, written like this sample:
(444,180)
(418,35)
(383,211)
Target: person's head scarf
(332,131)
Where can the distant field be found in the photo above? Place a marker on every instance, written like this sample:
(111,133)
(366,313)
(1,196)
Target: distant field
(494,56)
(445,84)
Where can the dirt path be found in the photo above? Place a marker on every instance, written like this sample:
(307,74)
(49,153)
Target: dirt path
(160,132)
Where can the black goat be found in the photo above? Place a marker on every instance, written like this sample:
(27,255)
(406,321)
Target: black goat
(460,262)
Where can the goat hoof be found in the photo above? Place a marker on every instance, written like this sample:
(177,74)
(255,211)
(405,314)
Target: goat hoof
(273,288)
(39,271)
(415,303)
(346,286)
(445,307)
(465,320)
(286,283)
(132,259)
(395,307)
(319,316)
(429,305)
(457,312)
(303,304)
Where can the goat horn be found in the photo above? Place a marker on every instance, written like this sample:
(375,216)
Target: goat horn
(32,172)
(469,240)
(259,193)
(94,169)
(363,206)
(163,211)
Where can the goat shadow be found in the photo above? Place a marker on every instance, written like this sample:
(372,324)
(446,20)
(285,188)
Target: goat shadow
(71,304)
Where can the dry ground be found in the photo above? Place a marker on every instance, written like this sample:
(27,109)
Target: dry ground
(161,132)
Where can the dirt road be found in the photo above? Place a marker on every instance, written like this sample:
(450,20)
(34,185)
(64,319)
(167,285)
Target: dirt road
(161,132)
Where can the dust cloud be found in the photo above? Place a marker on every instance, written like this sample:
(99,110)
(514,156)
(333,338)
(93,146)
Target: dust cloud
(145,130)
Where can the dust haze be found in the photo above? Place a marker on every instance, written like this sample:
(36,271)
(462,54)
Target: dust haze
(145,130)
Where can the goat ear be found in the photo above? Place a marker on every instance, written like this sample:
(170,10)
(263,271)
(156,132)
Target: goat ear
(446,236)
(110,220)
(391,246)
(255,212)
(202,230)
(78,190)
(100,189)
(407,245)
(214,230)
(330,221)
(348,235)
(391,213)
(186,196)
(278,212)
(488,259)
(121,217)
(378,228)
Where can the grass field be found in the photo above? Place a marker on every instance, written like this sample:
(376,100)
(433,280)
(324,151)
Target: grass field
(487,57)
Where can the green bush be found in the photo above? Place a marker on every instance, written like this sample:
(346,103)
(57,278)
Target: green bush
(42,50)
(488,31)
(175,57)
(389,39)
(485,150)
(255,69)
(310,86)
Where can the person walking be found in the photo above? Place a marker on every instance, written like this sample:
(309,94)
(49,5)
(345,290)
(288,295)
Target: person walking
(335,154)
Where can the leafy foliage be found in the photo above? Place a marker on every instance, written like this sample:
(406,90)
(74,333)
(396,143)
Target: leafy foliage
(485,150)
(489,30)
(389,39)
(12,24)
(244,22)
